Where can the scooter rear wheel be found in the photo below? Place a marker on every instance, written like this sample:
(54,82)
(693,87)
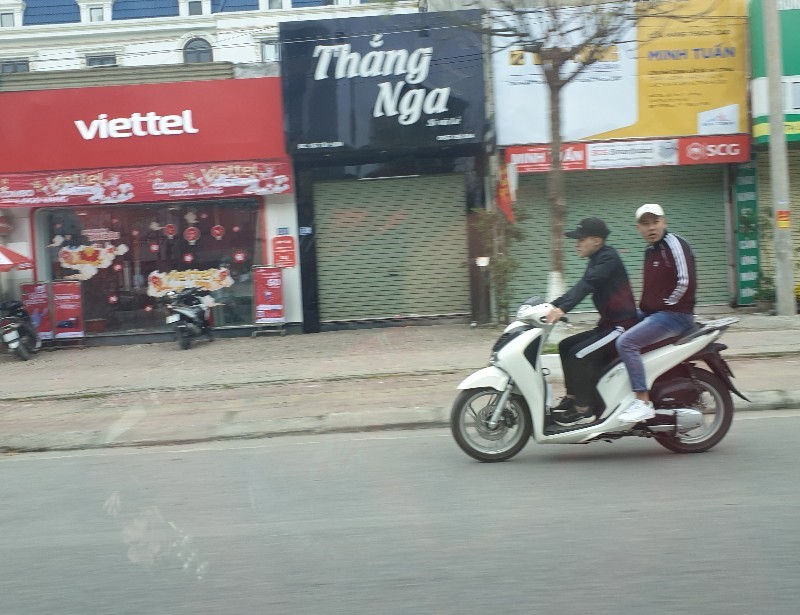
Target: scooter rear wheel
(469,418)
(715,402)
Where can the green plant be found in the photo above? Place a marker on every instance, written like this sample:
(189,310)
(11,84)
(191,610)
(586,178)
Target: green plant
(765,291)
(495,235)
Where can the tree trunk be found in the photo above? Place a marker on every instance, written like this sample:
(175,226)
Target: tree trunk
(555,194)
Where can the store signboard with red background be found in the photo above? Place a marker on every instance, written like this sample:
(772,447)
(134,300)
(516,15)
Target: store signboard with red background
(67,309)
(143,143)
(146,124)
(268,295)
(36,299)
(633,153)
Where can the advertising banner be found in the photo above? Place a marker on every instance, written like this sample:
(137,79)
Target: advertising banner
(789,20)
(146,184)
(666,77)
(375,83)
(268,295)
(146,124)
(284,251)
(745,195)
(633,153)
(67,309)
(36,299)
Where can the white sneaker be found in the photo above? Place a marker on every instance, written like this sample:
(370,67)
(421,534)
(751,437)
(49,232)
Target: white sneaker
(638,411)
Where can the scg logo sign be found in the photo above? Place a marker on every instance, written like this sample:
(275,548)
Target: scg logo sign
(698,151)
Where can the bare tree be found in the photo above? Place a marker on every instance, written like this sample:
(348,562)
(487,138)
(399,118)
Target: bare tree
(566,37)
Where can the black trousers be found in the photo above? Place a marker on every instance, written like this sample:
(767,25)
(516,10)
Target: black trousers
(581,373)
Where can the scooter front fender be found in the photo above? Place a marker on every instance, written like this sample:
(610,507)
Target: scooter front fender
(489,377)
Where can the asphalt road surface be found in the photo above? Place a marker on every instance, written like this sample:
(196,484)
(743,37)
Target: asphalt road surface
(404,522)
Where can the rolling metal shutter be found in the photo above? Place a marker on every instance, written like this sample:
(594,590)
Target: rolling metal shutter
(692,197)
(766,246)
(392,247)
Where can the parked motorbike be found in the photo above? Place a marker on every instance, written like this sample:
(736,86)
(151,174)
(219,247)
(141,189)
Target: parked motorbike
(190,315)
(18,332)
(501,406)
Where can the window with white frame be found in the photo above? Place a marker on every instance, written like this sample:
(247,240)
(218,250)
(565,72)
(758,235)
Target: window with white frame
(187,8)
(6,20)
(95,10)
(275,4)
(101,59)
(14,66)
(270,50)
(795,97)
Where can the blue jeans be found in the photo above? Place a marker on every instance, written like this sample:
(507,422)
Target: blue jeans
(651,329)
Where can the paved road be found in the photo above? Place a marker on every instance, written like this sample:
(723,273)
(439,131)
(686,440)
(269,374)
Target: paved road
(403,522)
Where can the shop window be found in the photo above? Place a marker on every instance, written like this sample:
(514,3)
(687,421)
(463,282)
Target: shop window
(128,257)
(6,20)
(106,59)
(14,66)
(196,51)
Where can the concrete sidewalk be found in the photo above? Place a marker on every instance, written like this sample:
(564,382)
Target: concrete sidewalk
(259,387)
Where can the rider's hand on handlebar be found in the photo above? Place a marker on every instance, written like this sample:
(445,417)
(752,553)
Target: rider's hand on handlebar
(554,315)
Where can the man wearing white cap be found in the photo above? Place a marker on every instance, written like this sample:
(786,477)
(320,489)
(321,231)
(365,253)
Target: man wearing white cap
(666,308)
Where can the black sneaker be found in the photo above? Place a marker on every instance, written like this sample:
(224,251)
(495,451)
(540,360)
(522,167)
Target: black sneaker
(565,405)
(574,418)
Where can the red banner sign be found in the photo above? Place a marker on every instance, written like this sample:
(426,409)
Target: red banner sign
(36,299)
(714,150)
(146,124)
(268,295)
(633,153)
(146,184)
(536,158)
(67,309)
(283,251)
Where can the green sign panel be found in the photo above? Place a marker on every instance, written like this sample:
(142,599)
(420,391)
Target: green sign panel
(745,196)
(789,19)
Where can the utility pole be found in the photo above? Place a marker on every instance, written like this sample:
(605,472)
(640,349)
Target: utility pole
(779,167)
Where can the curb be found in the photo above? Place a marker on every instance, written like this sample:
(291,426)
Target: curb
(336,422)
(550,361)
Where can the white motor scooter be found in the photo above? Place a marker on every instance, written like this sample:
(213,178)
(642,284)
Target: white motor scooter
(500,406)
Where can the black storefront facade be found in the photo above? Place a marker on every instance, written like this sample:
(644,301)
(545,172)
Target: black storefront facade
(385,124)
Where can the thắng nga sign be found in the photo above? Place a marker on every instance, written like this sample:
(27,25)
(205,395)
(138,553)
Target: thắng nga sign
(382,83)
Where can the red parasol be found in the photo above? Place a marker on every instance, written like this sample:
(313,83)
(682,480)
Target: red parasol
(13,260)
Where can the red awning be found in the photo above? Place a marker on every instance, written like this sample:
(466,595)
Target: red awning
(9,259)
(146,184)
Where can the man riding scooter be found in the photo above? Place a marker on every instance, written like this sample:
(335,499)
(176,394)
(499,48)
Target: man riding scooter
(585,355)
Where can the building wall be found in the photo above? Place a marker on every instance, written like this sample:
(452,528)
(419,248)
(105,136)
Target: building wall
(145,41)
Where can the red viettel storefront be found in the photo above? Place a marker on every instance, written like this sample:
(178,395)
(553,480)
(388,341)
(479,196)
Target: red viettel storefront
(136,190)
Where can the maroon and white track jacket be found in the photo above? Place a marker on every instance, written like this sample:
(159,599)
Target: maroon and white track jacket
(670,279)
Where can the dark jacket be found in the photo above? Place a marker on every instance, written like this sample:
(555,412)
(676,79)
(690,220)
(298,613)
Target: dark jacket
(670,280)
(606,278)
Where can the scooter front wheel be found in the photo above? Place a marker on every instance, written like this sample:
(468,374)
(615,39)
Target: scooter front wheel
(184,339)
(22,351)
(469,422)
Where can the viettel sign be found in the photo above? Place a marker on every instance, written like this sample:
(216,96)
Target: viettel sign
(141,125)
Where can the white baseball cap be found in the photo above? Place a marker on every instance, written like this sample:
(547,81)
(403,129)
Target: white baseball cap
(649,208)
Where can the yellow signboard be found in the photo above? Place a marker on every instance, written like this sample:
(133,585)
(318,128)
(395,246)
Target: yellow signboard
(691,71)
(680,74)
